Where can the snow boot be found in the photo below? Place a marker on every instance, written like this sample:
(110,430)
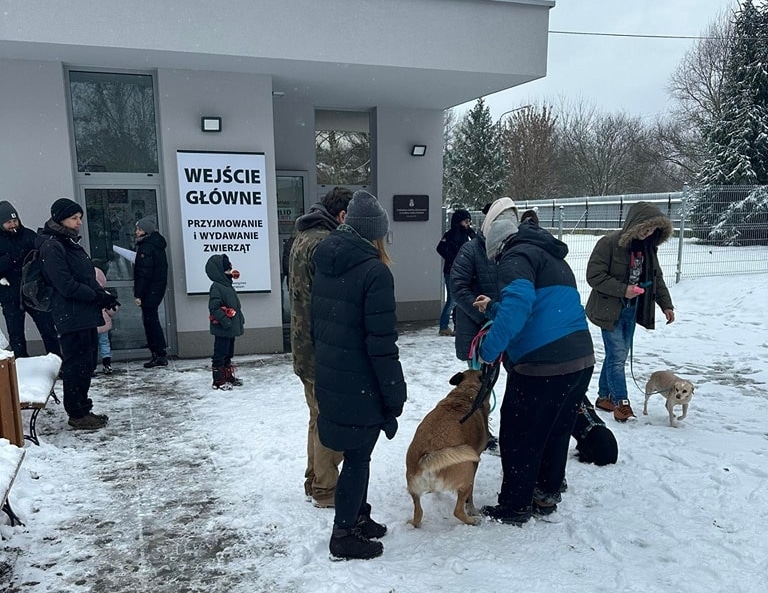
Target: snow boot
(158,360)
(220,379)
(368,527)
(350,544)
(106,364)
(231,379)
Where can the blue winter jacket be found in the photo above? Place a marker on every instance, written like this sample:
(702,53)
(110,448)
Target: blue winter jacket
(539,320)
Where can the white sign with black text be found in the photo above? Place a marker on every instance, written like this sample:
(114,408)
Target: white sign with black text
(223,197)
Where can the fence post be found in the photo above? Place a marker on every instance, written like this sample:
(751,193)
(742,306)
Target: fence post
(560,217)
(683,209)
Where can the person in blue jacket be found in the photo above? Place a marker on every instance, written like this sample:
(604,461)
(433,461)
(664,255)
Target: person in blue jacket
(359,382)
(540,326)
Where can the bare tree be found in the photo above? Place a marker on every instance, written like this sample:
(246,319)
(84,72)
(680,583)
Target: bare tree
(528,147)
(599,153)
(697,88)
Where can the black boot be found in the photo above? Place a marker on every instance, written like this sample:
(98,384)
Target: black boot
(158,360)
(106,363)
(349,544)
(220,379)
(231,379)
(367,526)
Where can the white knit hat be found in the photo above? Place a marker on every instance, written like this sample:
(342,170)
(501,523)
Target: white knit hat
(497,207)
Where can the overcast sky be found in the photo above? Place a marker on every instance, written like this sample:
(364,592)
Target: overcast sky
(614,73)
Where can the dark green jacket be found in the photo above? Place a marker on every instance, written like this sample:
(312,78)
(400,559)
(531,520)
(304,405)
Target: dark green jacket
(311,228)
(608,269)
(223,295)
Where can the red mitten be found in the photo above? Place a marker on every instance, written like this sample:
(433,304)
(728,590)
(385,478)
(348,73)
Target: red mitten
(229,311)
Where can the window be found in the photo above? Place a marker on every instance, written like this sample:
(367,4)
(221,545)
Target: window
(113,118)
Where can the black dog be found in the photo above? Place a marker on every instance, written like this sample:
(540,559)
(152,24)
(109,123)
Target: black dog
(595,442)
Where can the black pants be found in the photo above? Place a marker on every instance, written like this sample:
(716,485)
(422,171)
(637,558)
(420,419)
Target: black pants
(14,322)
(537,418)
(79,354)
(153,330)
(352,487)
(223,351)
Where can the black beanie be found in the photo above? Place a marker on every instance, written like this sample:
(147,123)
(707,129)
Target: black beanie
(366,216)
(64,208)
(7,212)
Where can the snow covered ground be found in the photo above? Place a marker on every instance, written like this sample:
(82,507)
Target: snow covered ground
(189,489)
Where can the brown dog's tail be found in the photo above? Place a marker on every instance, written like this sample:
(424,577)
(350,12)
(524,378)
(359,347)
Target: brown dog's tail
(442,458)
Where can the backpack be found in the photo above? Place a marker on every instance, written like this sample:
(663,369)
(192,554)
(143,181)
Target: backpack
(36,292)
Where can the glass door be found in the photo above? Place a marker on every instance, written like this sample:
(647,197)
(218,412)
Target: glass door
(111,215)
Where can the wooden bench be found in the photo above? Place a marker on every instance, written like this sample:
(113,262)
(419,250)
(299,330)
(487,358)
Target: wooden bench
(36,377)
(11,457)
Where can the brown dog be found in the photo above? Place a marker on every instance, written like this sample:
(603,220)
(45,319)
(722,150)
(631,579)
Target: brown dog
(677,392)
(444,453)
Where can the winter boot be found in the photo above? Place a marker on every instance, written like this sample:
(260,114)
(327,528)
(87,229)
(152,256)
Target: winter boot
(220,379)
(349,544)
(231,379)
(368,527)
(158,360)
(106,363)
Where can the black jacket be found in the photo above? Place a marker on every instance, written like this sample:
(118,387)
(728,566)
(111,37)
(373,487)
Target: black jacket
(453,239)
(359,383)
(70,271)
(150,272)
(472,274)
(14,247)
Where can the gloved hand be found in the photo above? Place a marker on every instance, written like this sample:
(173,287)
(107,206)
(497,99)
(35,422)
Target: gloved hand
(229,312)
(390,428)
(106,300)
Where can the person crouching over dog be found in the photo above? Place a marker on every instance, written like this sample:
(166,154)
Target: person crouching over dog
(540,325)
(227,320)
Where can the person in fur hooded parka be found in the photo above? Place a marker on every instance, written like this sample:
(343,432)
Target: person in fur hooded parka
(227,320)
(627,283)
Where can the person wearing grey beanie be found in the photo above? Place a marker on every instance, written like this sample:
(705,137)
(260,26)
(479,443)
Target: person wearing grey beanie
(150,279)
(146,225)
(367,217)
(354,329)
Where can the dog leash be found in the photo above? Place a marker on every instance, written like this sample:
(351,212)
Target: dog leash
(489,371)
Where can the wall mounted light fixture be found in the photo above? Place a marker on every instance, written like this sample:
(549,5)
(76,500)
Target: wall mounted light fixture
(419,150)
(210,124)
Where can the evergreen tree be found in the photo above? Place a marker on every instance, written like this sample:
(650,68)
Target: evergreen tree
(737,142)
(474,170)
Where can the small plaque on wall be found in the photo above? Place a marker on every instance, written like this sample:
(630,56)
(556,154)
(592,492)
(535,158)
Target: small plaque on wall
(409,208)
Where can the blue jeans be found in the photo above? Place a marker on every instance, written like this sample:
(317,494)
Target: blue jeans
(445,316)
(617,344)
(105,350)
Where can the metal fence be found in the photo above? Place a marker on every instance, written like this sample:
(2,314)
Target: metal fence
(580,222)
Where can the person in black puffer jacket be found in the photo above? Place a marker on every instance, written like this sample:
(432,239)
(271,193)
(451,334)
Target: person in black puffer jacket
(76,308)
(359,383)
(150,279)
(448,248)
(16,241)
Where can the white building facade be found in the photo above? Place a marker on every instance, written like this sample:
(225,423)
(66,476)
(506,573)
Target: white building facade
(203,115)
